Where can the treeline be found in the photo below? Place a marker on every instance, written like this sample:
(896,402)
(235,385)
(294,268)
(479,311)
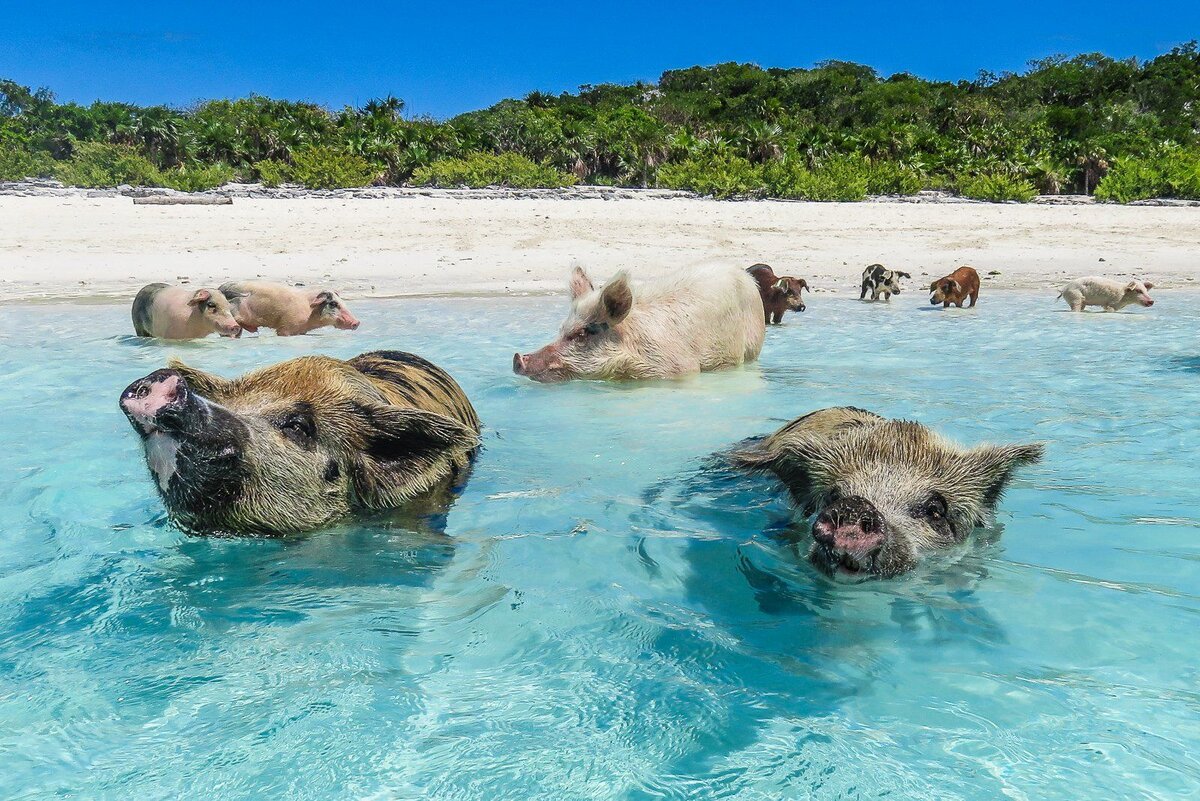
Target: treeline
(1120,129)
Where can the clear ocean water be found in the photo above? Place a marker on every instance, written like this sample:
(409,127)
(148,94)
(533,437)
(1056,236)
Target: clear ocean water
(602,618)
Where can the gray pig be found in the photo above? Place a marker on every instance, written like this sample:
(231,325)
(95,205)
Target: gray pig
(884,492)
(175,312)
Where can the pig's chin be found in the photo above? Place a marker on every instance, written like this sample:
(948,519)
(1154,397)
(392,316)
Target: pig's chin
(842,565)
(853,567)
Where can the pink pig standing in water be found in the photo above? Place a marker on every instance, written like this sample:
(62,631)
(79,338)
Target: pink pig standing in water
(687,323)
(178,312)
(288,311)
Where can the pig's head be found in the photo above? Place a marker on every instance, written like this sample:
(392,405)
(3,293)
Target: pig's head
(329,309)
(287,448)
(1138,292)
(214,308)
(791,289)
(883,493)
(943,289)
(590,342)
(891,280)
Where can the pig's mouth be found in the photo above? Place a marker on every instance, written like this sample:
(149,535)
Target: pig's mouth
(1146,302)
(838,562)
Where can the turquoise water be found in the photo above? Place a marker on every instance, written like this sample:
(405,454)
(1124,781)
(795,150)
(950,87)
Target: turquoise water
(601,617)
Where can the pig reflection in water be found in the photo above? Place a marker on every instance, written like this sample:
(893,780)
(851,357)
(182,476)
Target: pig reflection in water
(297,445)
(687,323)
(884,492)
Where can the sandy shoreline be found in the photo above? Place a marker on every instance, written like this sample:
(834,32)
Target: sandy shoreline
(107,247)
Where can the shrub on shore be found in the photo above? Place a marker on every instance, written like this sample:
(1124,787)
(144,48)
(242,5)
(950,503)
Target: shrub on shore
(17,164)
(327,167)
(481,169)
(96,165)
(997,188)
(721,175)
(892,178)
(197,177)
(1172,173)
(273,173)
(838,179)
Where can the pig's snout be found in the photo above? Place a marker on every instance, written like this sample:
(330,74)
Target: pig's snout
(347,322)
(543,365)
(156,399)
(1147,302)
(850,525)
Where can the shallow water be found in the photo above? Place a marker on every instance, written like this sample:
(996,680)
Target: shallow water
(602,619)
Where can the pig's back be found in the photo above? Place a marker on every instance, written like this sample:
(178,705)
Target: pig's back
(142,310)
(715,315)
(407,379)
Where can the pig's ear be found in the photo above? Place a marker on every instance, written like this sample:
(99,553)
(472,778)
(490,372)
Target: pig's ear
(617,298)
(321,298)
(792,462)
(200,296)
(994,466)
(1148,285)
(200,382)
(579,284)
(402,449)
(804,285)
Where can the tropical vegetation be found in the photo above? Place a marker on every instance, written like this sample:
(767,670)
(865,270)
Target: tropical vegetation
(1120,129)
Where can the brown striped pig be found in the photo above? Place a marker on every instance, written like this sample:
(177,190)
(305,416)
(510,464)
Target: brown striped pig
(300,444)
(288,311)
(687,323)
(176,312)
(883,493)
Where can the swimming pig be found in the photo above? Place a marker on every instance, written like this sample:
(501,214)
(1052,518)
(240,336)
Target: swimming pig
(1112,295)
(175,312)
(297,445)
(884,492)
(687,323)
(779,293)
(955,288)
(287,310)
(879,280)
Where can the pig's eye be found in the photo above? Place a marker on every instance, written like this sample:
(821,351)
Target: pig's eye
(935,507)
(591,329)
(210,306)
(299,429)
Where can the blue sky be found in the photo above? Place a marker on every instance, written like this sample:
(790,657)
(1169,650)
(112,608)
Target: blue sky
(448,57)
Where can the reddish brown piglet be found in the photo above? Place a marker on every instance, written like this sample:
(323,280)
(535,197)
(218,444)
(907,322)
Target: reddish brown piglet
(956,287)
(779,293)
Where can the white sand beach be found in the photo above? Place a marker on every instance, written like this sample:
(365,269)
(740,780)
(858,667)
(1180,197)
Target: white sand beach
(56,247)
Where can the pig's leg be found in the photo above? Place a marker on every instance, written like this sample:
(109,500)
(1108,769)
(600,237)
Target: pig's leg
(974,297)
(863,296)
